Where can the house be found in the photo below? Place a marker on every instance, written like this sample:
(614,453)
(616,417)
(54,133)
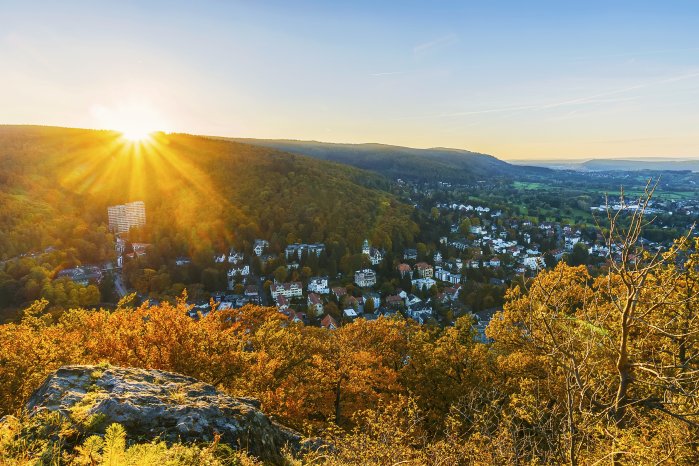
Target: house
(282,303)
(423,283)
(494,262)
(329,323)
(315,303)
(182,260)
(252,292)
(534,262)
(318,285)
(235,257)
(351,301)
(298,250)
(365,278)
(460,245)
(446,276)
(412,300)
(350,313)
(424,270)
(410,254)
(437,257)
(395,301)
(260,246)
(405,270)
(235,272)
(140,249)
(288,290)
(83,275)
(452,293)
(297,316)
(243,271)
(441,274)
(421,312)
(375,256)
(339,292)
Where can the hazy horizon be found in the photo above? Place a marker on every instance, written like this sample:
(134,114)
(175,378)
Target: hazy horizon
(537,81)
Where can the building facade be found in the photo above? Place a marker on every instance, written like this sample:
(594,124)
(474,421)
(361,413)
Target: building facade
(123,217)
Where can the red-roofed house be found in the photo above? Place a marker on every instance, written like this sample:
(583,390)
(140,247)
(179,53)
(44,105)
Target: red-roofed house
(329,323)
(339,292)
(315,303)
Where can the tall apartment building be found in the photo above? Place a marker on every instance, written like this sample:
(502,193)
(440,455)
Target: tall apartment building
(126,216)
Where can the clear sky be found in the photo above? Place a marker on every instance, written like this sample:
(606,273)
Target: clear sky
(515,79)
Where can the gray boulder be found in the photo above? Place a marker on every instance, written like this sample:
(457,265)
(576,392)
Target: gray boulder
(173,407)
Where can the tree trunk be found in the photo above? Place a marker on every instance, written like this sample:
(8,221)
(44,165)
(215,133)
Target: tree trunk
(338,398)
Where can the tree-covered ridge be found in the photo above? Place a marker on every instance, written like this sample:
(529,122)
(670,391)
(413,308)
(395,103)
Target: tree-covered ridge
(435,164)
(217,188)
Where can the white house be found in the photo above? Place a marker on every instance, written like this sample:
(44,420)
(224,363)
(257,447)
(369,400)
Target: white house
(243,271)
(318,285)
(288,290)
(365,278)
(375,256)
(234,272)
(235,257)
(424,283)
(260,246)
(534,262)
(298,250)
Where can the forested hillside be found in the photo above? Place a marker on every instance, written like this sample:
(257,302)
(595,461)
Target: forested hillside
(435,164)
(202,196)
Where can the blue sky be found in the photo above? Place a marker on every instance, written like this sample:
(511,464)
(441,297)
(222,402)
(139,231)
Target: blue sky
(514,79)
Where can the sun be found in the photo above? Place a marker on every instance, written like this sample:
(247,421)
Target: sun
(136,134)
(135,121)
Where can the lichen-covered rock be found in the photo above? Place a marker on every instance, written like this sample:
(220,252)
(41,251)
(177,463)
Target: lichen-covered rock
(173,407)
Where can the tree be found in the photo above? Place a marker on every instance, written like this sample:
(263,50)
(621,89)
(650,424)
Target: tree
(280,274)
(611,353)
(210,279)
(369,306)
(579,255)
(465,226)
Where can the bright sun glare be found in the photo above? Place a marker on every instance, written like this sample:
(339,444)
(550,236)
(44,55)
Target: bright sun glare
(135,121)
(135,134)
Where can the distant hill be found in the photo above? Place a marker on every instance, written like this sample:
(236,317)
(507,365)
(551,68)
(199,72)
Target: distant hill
(443,164)
(634,165)
(642,163)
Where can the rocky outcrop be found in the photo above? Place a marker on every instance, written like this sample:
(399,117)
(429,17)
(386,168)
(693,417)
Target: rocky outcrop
(173,407)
